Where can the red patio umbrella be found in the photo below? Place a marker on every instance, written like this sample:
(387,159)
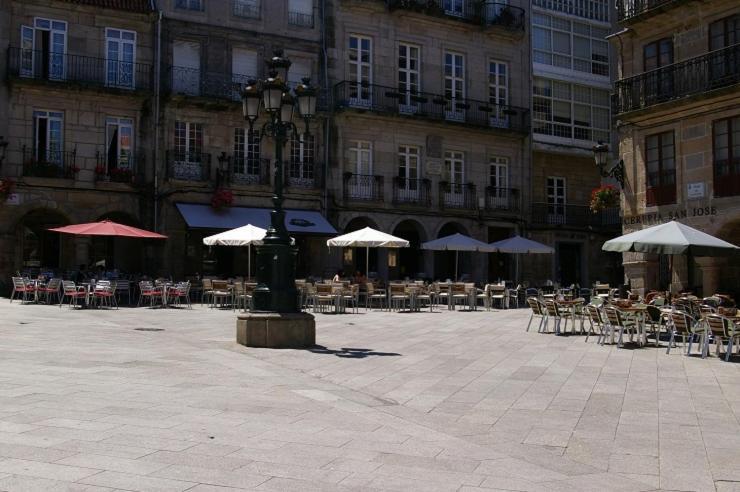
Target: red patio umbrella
(107,228)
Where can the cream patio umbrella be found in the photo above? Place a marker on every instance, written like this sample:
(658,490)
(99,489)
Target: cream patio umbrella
(367,238)
(519,245)
(457,242)
(241,236)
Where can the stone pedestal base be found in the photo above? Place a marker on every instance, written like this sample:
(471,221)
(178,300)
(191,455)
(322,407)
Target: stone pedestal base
(276,330)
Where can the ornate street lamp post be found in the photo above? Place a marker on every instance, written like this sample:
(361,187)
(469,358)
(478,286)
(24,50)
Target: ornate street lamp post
(276,257)
(601,158)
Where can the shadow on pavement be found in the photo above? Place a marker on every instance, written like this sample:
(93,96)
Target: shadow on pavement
(351,353)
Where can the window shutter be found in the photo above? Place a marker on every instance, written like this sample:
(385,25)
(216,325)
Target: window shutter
(301,6)
(244,63)
(298,70)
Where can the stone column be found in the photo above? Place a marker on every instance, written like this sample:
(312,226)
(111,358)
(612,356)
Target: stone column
(711,269)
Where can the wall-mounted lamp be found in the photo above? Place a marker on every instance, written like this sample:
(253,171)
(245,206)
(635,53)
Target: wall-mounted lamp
(601,157)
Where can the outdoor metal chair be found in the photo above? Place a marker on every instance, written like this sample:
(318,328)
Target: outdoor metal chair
(123,287)
(206,291)
(104,294)
(539,310)
(398,297)
(51,289)
(721,328)
(687,327)
(617,320)
(596,321)
(147,290)
(373,293)
(22,288)
(178,292)
(221,293)
(498,295)
(73,292)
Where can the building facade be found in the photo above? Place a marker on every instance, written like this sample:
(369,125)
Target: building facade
(430,129)
(572,73)
(678,119)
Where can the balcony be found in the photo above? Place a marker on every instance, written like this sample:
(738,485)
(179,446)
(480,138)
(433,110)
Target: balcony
(247,9)
(61,68)
(545,214)
(197,83)
(300,19)
(586,9)
(629,10)
(363,188)
(48,163)
(457,196)
(695,76)
(188,166)
(249,171)
(389,100)
(122,169)
(416,192)
(501,199)
(486,13)
(727,178)
(302,175)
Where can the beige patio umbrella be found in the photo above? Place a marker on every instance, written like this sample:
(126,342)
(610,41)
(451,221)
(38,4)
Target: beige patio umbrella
(367,238)
(241,236)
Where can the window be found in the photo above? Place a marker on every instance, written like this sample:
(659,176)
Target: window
(408,76)
(362,184)
(555,200)
(249,9)
(299,69)
(570,44)
(657,54)
(498,92)
(454,167)
(724,32)
(454,7)
(570,111)
(120,56)
(302,159)
(186,68)
(660,164)
(360,70)
(726,153)
(408,172)
(454,66)
(44,49)
(243,68)
(300,13)
(188,141)
(498,182)
(119,137)
(198,5)
(587,9)
(48,145)
(246,153)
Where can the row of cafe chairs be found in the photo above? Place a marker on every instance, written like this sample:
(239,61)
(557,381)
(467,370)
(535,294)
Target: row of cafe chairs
(687,319)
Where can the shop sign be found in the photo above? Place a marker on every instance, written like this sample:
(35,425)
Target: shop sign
(13,199)
(695,191)
(659,218)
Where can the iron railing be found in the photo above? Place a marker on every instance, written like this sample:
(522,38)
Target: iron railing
(574,216)
(631,9)
(457,195)
(412,191)
(249,171)
(120,169)
(503,15)
(301,175)
(300,19)
(84,70)
(586,9)
(249,9)
(49,163)
(194,82)
(501,199)
(363,187)
(188,166)
(714,70)
(382,99)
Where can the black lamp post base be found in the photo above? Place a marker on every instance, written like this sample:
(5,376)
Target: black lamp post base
(276,330)
(276,291)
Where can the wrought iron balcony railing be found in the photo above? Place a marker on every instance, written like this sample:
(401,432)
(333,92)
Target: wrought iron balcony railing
(82,70)
(502,199)
(118,169)
(302,175)
(390,100)
(457,195)
(628,10)
(248,9)
(714,70)
(586,9)
(49,163)
(412,191)
(188,166)
(363,187)
(301,19)
(574,216)
(484,12)
(194,82)
(249,171)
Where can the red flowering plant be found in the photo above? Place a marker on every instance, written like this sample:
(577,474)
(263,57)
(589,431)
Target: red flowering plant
(6,188)
(99,171)
(604,197)
(222,198)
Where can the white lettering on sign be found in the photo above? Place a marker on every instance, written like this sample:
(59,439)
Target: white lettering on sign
(695,190)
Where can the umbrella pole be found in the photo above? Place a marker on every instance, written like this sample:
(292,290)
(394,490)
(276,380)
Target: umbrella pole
(249,262)
(367,261)
(456,254)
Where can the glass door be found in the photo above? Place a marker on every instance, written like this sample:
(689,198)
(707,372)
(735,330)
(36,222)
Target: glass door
(408,77)
(120,58)
(498,93)
(408,173)
(455,86)
(360,71)
(555,200)
(361,164)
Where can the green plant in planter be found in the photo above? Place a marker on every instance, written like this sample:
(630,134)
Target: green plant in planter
(604,197)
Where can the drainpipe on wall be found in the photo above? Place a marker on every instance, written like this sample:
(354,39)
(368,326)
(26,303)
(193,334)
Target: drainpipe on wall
(157,80)
(327,121)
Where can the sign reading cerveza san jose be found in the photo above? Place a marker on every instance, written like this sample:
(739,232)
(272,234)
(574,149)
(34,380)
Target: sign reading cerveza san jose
(659,217)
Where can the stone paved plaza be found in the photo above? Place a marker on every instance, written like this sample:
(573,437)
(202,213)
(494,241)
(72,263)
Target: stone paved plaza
(164,400)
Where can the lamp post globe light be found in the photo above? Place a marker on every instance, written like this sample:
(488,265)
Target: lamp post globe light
(601,158)
(276,257)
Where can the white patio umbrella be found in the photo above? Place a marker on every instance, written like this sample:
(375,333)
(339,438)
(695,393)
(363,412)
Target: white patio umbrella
(457,242)
(671,238)
(241,236)
(519,245)
(367,238)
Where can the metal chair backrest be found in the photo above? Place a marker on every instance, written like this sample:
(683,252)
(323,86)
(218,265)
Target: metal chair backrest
(54,284)
(719,325)
(532,292)
(614,316)
(397,289)
(69,286)
(220,285)
(654,313)
(594,314)
(536,306)
(552,308)
(207,284)
(682,321)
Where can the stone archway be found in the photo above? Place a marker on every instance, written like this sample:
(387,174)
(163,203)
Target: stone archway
(354,259)
(410,260)
(39,248)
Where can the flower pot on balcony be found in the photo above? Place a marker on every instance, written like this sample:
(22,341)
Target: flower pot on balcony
(603,198)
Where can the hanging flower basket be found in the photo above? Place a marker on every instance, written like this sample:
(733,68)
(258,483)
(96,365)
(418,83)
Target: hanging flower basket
(6,188)
(222,199)
(604,197)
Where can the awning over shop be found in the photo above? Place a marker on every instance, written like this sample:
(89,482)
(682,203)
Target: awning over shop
(199,216)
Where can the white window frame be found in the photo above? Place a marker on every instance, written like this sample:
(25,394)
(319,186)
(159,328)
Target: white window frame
(359,95)
(247,144)
(363,186)
(456,85)
(189,166)
(302,159)
(192,5)
(49,116)
(556,202)
(119,123)
(54,27)
(409,160)
(498,93)
(406,75)
(121,41)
